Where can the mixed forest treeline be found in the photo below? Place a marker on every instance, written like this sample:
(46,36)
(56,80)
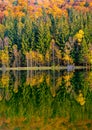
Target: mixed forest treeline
(45,33)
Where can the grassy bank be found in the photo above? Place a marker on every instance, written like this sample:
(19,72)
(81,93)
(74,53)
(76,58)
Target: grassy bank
(45,68)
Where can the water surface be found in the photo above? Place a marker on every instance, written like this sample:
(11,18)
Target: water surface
(46,100)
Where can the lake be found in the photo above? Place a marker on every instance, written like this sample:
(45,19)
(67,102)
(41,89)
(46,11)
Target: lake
(46,100)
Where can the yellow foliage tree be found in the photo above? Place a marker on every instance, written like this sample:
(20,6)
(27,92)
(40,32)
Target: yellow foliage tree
(5,58)
(2,30)
(79,36)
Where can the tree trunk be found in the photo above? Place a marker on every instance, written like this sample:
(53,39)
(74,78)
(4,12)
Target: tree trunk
(58,62)
(53,53)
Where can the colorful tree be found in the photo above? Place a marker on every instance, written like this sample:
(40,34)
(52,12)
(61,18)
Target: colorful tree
(5,58)
(16,62)
(79,36)
(52,47)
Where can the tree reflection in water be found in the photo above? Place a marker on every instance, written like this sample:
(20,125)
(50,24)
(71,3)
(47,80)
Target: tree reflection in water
(44,100)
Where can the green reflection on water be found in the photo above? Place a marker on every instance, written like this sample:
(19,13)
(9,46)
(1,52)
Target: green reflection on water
(41,100)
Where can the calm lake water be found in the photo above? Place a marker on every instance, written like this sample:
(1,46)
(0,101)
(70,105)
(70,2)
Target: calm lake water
(46,100)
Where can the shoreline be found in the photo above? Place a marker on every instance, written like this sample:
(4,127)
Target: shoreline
(46,68)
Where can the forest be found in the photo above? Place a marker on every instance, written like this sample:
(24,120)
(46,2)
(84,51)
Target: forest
(45,33)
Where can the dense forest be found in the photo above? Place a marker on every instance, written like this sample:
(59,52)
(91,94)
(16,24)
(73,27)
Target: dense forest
(45,32)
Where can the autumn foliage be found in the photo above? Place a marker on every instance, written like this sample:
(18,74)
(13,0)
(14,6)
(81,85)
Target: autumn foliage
(32,25)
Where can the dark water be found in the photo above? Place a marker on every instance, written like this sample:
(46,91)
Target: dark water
(46,100)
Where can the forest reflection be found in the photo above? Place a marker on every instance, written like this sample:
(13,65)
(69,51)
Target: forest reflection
(45,100)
